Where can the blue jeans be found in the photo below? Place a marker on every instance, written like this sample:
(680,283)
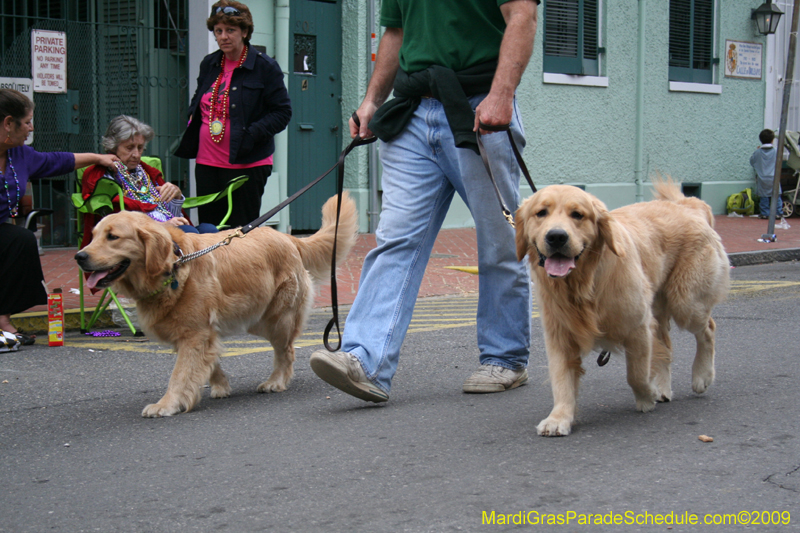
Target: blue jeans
(422,169)
(203,227)
(763,206)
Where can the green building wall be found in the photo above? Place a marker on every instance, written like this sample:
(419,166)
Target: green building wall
(586,135)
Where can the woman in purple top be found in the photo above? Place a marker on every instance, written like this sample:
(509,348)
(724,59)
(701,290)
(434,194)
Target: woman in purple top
(22,284)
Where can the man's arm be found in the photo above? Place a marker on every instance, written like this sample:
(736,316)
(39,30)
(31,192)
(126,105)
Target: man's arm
(380,85)
(515,51)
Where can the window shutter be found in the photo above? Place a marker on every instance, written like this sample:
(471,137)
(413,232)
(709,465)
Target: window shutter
(561,36)
(680,39)
(590,29)
(691,24)
(702,34)
(570,36)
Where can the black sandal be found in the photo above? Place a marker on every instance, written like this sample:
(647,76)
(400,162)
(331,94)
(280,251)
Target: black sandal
(25,340)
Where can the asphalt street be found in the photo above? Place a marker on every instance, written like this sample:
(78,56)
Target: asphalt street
(75,454)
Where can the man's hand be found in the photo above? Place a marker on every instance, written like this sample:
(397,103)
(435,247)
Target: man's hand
(365,114)
(494,110)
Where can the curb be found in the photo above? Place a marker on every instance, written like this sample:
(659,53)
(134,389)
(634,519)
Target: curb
(37,323)
(765,256)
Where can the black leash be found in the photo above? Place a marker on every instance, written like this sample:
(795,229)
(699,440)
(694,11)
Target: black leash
(334,321)
(507,128)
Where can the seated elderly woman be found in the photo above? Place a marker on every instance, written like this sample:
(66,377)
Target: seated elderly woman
(144,186)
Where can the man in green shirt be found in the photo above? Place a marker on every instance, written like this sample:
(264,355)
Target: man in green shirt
(453,64)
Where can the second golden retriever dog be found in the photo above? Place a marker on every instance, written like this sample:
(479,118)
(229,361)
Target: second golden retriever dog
(615,280)
(261,284)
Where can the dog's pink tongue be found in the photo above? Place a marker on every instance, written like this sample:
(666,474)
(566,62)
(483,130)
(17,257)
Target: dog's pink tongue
(95,277)
(558,267)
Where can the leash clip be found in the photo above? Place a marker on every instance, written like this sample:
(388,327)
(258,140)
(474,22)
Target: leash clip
(227,240)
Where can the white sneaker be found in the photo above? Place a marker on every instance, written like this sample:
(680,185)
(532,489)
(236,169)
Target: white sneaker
(344,371)
(493,378)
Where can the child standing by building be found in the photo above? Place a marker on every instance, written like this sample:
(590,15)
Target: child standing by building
(763,161)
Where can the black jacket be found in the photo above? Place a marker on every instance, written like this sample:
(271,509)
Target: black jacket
(259,107)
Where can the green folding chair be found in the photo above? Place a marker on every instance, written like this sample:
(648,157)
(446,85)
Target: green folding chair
(101,202)
(226,193)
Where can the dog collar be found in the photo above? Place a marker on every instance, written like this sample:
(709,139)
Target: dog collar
(172,281)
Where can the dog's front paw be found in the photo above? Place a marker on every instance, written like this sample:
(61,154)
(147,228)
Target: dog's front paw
(156,410)
(663,394)
(220,391)
(272,385)
(702,381)
(663,389)
(554,427)
(646,399)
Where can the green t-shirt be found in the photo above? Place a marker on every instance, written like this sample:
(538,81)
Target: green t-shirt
(456,34)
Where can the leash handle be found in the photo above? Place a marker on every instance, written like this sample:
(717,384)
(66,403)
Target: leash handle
(334,321)
(509,216)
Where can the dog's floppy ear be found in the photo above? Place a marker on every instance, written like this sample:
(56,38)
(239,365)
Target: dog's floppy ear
(157,250)
(519,224)
(608,228)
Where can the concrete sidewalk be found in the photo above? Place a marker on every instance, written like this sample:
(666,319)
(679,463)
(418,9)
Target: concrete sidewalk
(454,248)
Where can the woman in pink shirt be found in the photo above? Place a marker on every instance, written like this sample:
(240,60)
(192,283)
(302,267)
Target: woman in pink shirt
(240,104)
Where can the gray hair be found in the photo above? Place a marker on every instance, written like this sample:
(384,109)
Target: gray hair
(122,128)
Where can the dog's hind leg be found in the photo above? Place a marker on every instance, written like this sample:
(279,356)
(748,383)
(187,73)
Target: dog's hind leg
(637,360)
(660,364)
(282,334)
(695,317)
(193,368)
(703,366)
(220,388)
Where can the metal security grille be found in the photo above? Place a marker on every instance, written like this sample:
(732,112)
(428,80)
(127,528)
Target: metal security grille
(123,57)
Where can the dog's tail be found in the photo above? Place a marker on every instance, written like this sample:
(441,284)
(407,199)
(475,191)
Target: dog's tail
(317,249)
(666,189)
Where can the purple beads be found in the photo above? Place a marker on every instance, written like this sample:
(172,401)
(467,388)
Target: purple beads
(105,333)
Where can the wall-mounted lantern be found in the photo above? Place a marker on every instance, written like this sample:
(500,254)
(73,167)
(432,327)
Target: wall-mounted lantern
(767,17)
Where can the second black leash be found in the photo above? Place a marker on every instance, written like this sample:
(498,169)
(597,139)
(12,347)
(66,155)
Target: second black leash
(507,128)
(334,321)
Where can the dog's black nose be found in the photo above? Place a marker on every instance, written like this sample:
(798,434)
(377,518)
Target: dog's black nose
(80,256)
(556,238)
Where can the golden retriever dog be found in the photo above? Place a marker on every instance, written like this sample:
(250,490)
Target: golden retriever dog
(261,284)
(614,281)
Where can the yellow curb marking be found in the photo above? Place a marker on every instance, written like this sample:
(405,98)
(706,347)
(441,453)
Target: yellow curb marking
(432,314)
(739,287)
(467,269)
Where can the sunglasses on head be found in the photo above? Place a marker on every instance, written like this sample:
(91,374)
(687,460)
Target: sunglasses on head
(227,10)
